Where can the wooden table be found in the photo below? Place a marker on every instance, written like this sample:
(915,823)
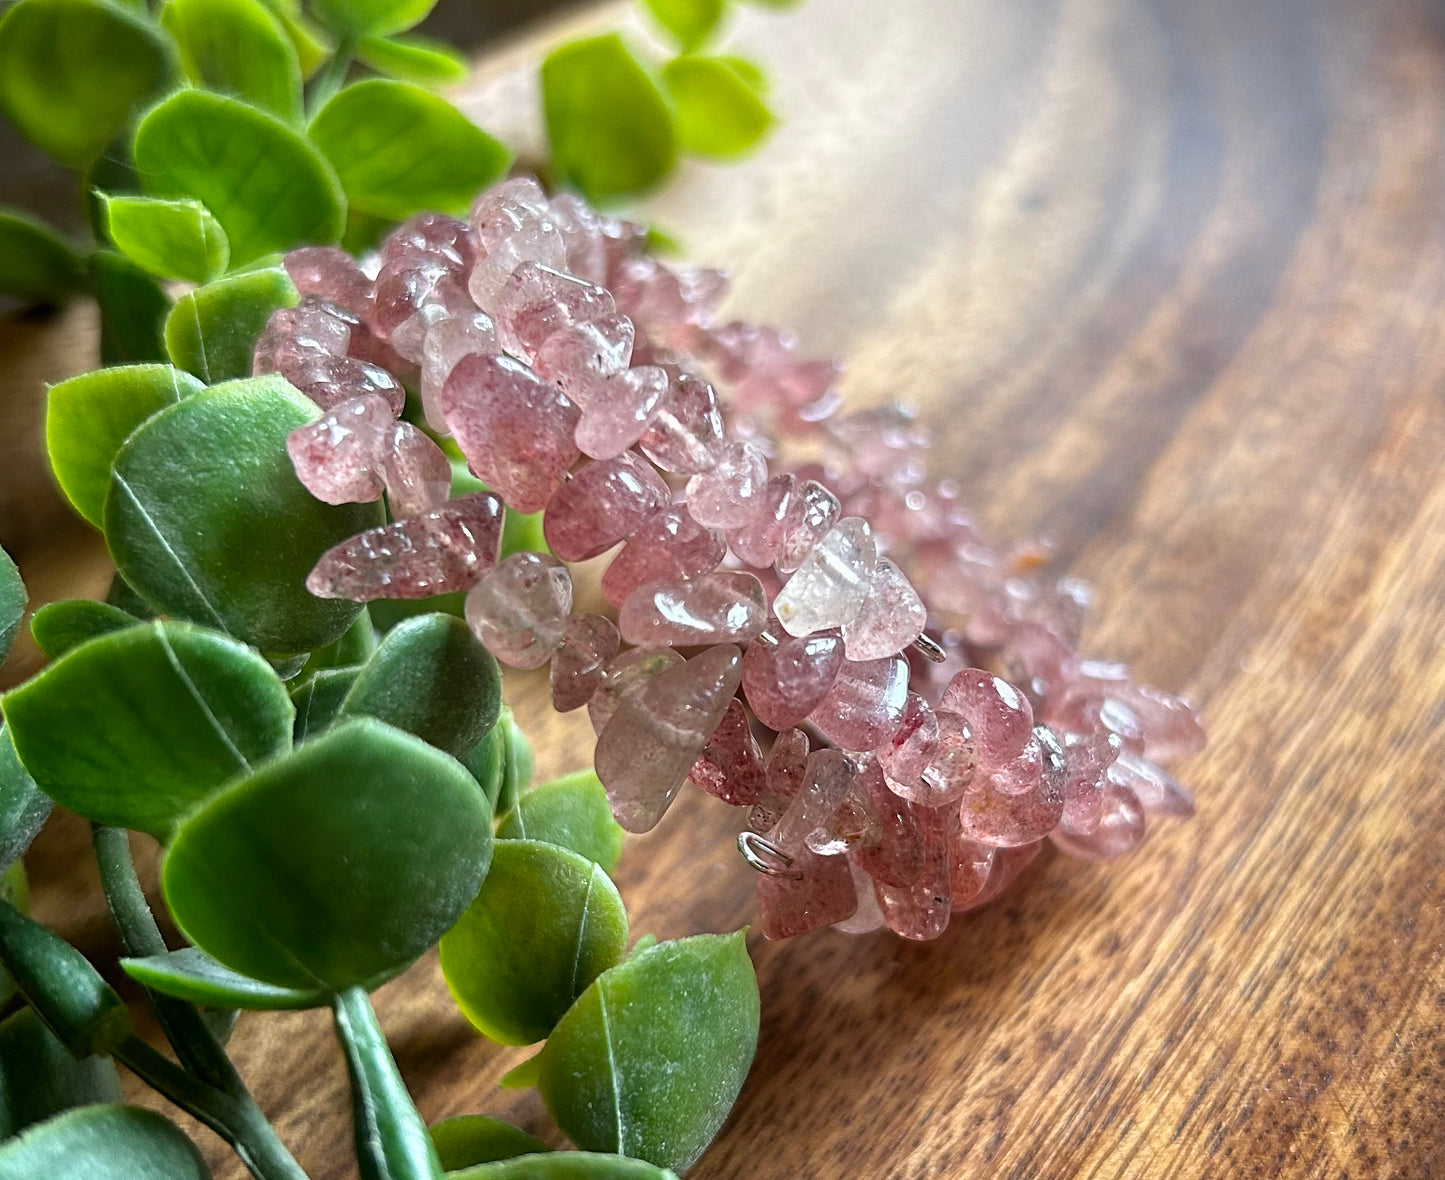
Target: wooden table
(1166,278)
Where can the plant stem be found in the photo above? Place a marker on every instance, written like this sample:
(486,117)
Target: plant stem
(392,1142)
(333,74)
(236,1119)
(141,937)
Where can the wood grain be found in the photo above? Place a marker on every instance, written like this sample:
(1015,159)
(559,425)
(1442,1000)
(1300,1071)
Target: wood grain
(1166,278)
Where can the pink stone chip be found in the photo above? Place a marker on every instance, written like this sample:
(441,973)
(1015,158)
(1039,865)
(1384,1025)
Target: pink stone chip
(1000,716)
(627,671)
(731,765)
(992,816)
(513,228)
(417,474)
(786,678)
(617,412)
(713,608)
(813,512)
(868,917)
(921,910)
(832,585)
(1089,759)
(435,553)
(787,764)
(536,301)
(667,546)
(972,866)
(826,780)
(820,894)
(653,739)
(953,769)
(331,380)
(603,502)
(338,458)
(514,428)
(686,434)
(520,610)
(724,496)
(863,707)
(580,358)
(756,543)
(1120,828)
(893,615)
(331,274)
(895,856)
(588,645)
(906,755)
(447,341)
(1156,789)
(1003,870)
(1161,727)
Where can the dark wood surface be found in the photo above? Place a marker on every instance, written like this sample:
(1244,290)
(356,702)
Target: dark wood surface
(1166,278)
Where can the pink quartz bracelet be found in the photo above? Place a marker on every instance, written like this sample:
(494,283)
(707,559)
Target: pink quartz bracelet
(761,530)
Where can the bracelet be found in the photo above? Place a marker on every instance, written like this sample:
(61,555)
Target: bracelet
(918,756)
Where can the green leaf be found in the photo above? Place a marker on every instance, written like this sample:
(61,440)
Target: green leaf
(173,239)
(136,727)
(318,700)
(88,417)
(611,130)
(66,992)
(472,1139)
(523,1076)
(650,1059)
(354,647)
(565,1165)
(120,595)
(423,60)
(372,18)
(191,974)
(746,69)
(571,812)
(133,309)
(23,806)
(207,521)
(398,148)
(335,865)
(718,111)
(546,923)
(39,1077)
(266,185)
(237,47)
(72,71)
(689,21)
(212,331)
(432,678)
(60,626)
(37,265)
(103,1143)
(12,603)
(306,37)
(518,764)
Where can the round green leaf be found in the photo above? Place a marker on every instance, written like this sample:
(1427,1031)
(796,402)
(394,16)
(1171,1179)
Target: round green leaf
(191,974)
(565,1165)
(133,308)
(611,130)
(318,700)
(212,331)
(71,72)
(237,47)
(398,148)
(36,264)
(472,1139)
(335,865)
(266,185)
(39,1077)
(689,21)
(173,239)
(746,69)
(372,18)
(24,807)
(718,111)
(103,1143)
(136,727)
(650,1059)
(423,60)
(12,603)
(571,812)
(207,521)
(546,923)
(88,417)
(517,762)
(431,677)
(60,626)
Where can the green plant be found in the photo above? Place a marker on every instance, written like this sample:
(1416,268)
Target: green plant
(313,850)
(209,135)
